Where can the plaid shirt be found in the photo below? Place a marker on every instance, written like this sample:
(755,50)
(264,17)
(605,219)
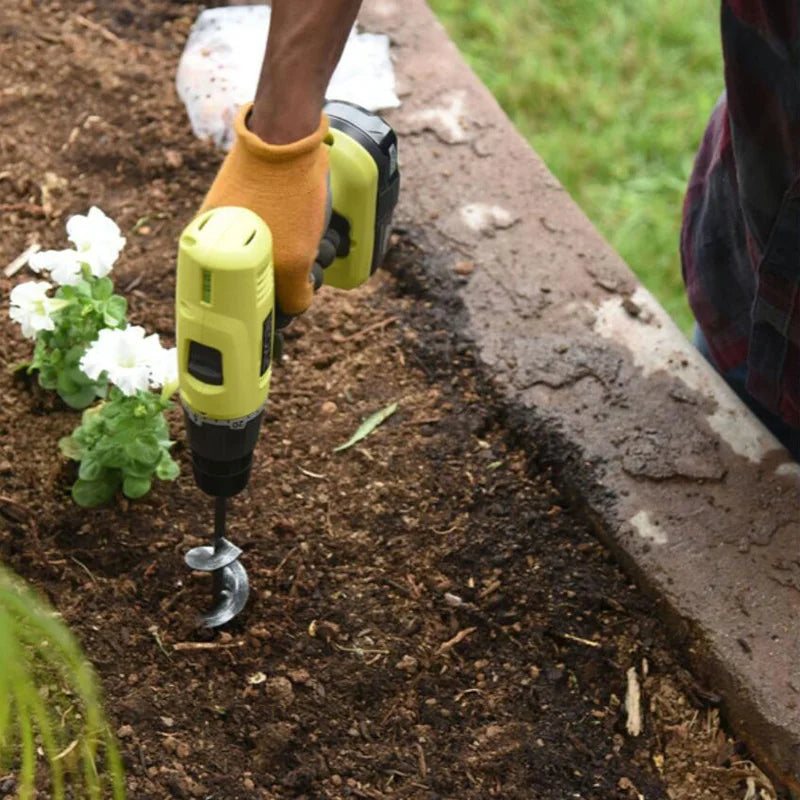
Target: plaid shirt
(740,243)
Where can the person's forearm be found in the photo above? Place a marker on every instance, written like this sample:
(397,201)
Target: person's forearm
(306,39)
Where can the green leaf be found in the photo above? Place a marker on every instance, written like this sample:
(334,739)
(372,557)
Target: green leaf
(65,383)
(115,310)
(91,468)
(93,416)
(134,486)
(102,288)
(80,397)
(145,449)
(82,288)
(114,455)
(71,448)
(367,426)
(167,469)
(48,378)
(73,356)
(139,469)
(75,374)
(96,493)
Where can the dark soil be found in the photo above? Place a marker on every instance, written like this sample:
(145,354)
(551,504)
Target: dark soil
(429,617)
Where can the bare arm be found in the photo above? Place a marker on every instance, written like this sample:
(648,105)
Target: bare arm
(306,39)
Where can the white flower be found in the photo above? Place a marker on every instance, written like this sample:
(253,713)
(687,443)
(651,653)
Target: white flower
(97,240)
(126,355)
(64,266)
(32,308)
(164,369)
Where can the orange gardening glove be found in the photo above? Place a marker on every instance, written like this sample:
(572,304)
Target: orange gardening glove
(286,185)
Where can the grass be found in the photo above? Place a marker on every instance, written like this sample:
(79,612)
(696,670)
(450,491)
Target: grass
(52,727)
(614,97)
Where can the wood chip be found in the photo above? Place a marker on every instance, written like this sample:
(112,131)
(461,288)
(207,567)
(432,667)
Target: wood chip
(34,209)
(85,22)
(311,474)
(580,640)
(459,637)
(370,328)
(205,645)
(633,703)
(21,260)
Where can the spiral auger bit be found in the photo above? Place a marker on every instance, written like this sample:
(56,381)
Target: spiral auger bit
(230,585)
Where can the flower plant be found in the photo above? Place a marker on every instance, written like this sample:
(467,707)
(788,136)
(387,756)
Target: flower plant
(83,304)
(85,350)
(123,442)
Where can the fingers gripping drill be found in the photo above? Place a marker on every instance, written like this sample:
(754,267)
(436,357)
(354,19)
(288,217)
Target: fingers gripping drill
(226,319)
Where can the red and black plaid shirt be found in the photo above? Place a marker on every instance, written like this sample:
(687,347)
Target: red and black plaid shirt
(740,244)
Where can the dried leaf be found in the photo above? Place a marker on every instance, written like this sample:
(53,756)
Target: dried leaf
(367,426)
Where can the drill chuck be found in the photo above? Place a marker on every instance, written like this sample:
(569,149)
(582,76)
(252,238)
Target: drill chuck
(222,451)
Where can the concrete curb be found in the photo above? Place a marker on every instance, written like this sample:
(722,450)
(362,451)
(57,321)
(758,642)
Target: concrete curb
(685,485)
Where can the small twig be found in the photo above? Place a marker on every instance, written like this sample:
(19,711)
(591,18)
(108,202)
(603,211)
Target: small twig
(134,283)
(21,260)
(459,637)
(84,568)
(423,767)
(374,327)
(489,589)
(362,651)
(283,561)
(50,38)
(66,751)
(311,474)
(97,28)
(181,646)
(578,639)
(449,530)
(466,692)
(33,209)
(295,580)
(153,631)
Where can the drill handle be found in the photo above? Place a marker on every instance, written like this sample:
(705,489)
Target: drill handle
(329,248)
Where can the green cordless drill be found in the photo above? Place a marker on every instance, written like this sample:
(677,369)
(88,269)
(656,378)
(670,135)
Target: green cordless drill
(226,320)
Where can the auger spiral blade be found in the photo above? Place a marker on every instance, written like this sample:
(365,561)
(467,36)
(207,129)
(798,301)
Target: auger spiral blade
(230,585)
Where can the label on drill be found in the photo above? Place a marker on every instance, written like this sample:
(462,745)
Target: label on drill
(233,424)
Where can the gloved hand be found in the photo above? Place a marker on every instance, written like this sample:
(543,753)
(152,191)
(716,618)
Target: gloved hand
(286,185)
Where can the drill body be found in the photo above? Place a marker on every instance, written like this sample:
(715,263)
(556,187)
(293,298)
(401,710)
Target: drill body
(225,303)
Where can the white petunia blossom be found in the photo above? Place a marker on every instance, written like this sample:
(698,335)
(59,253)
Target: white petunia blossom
(126,355)
(32,308)
(97,239)
(64,266)
(164,370)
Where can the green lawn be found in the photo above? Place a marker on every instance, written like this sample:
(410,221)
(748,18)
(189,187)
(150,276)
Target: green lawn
(614,97)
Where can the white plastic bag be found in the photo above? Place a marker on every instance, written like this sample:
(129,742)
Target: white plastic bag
(220,64)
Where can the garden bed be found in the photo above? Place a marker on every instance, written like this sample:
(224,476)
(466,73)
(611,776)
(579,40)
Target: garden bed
(429,617)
